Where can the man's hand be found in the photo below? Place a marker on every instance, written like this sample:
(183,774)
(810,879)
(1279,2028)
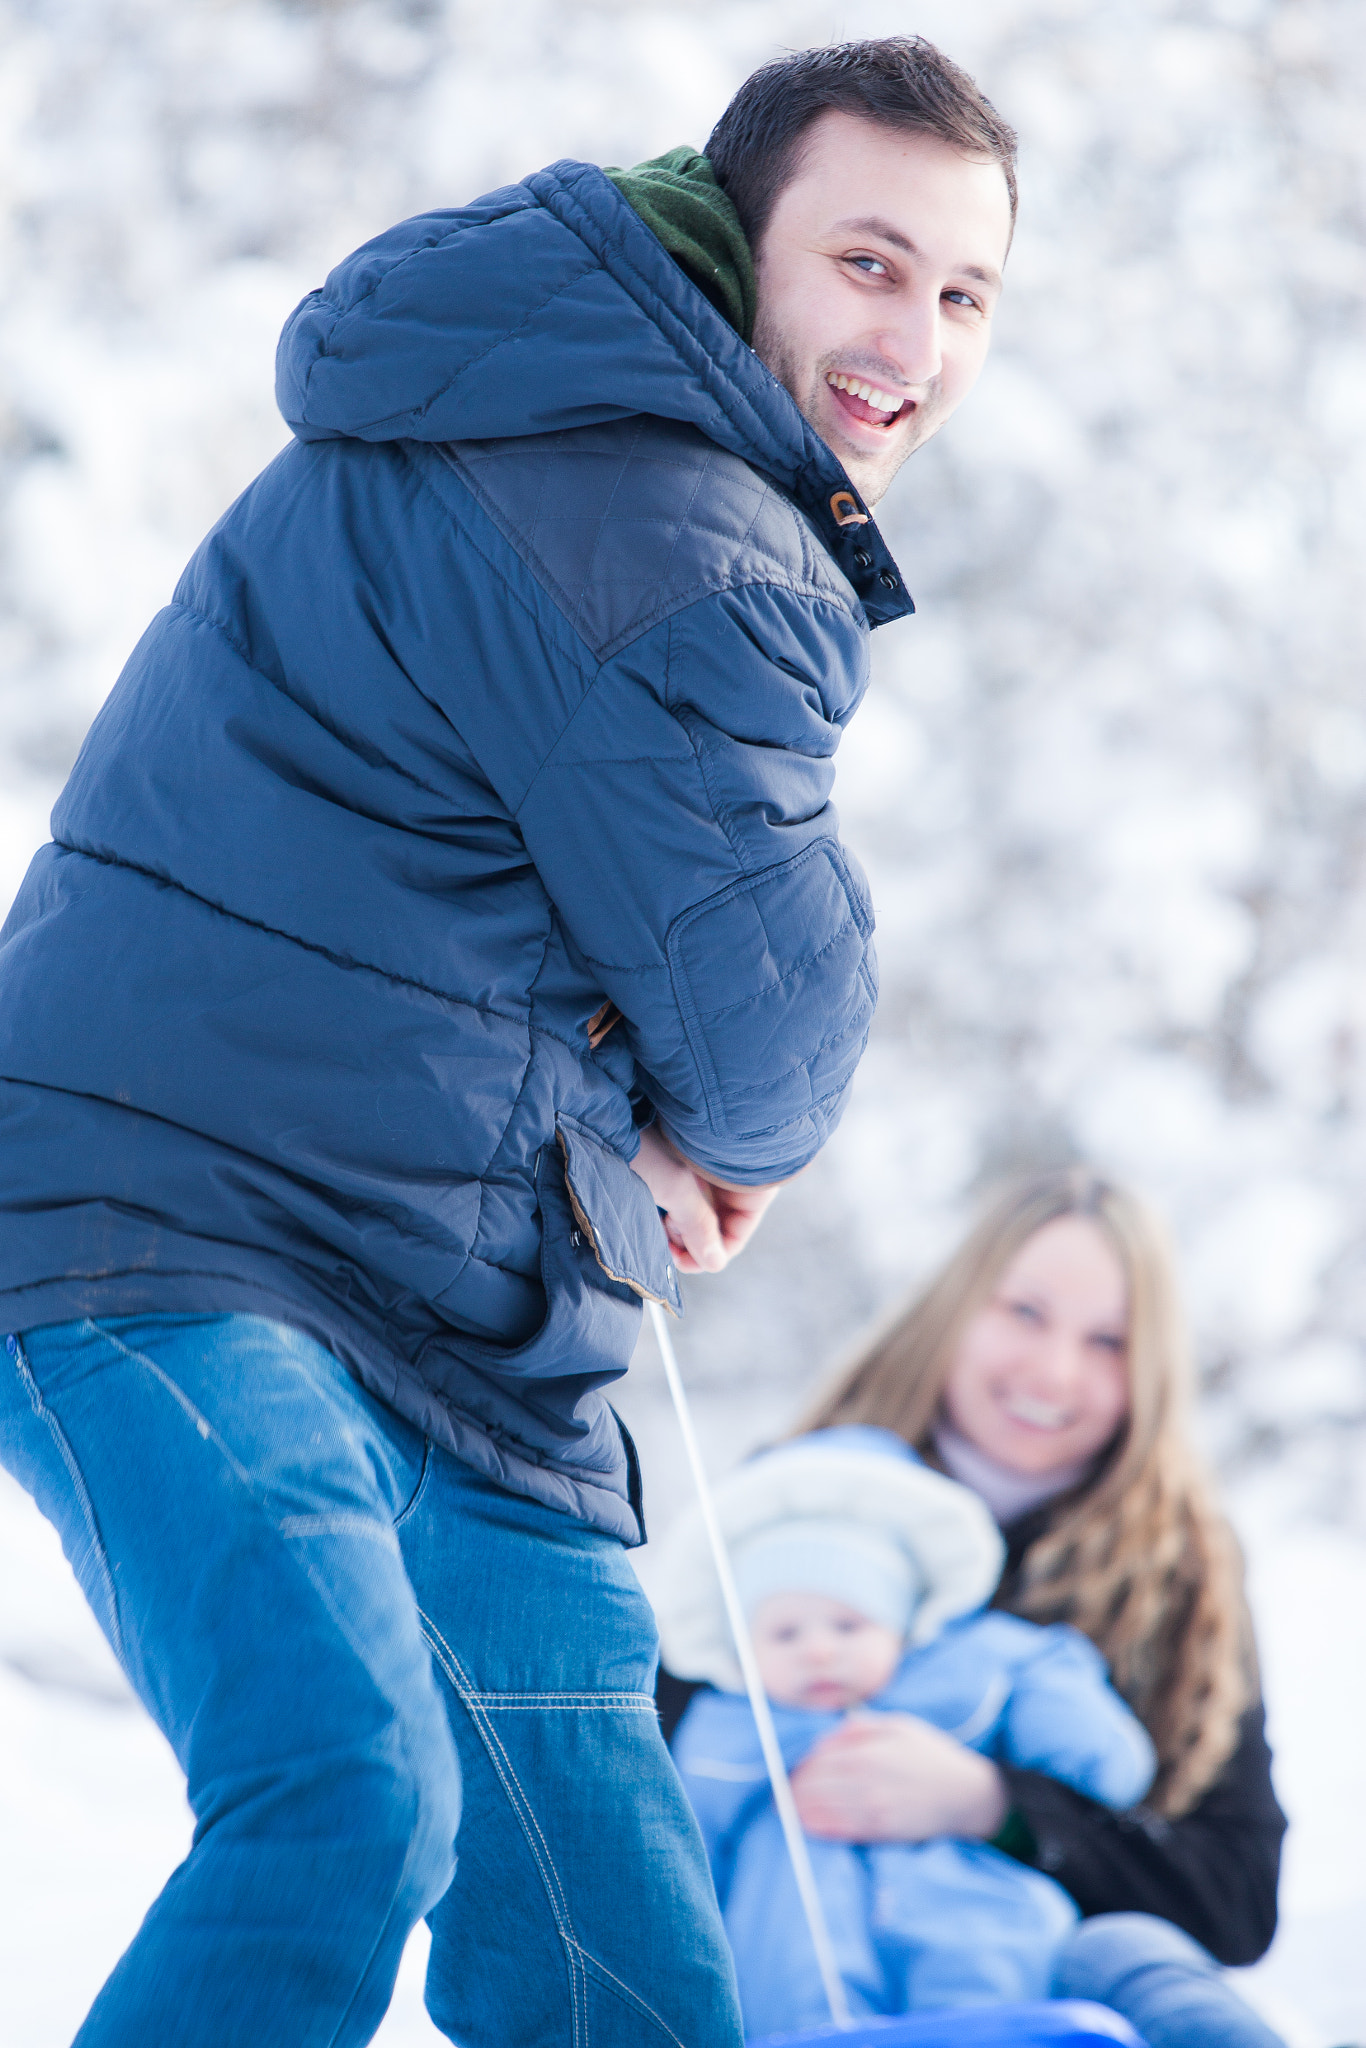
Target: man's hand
(706,1221)
(894,1778)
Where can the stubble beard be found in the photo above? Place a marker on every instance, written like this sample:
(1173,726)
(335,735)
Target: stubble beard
(871,475)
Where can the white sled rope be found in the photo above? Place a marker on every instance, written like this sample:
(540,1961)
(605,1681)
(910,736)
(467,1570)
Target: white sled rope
(758,1699)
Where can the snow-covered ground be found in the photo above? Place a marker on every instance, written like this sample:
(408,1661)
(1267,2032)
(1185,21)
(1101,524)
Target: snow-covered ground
(1108,785)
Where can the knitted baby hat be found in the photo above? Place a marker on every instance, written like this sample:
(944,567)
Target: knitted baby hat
(855,1479)
(861,1567)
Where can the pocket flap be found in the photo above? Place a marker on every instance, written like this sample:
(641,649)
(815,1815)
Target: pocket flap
(617,1213)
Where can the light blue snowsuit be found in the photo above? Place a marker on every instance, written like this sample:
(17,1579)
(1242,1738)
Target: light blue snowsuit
(915,1925)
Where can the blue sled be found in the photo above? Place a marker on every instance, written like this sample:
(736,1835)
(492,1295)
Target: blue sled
(1059,2023)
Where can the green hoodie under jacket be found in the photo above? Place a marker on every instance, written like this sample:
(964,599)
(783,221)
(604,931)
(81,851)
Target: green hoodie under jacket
(679,200)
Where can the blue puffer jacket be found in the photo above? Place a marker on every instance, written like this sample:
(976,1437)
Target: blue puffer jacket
(508,691)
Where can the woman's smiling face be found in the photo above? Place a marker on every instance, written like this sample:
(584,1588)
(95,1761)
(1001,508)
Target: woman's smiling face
(1041,1378)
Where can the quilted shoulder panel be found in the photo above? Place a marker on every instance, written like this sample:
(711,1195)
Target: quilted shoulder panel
(626,522)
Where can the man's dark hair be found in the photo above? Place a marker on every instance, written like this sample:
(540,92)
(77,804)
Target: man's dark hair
(898,81)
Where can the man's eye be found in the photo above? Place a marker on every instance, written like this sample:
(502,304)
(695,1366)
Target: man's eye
(871,266)
(958,298)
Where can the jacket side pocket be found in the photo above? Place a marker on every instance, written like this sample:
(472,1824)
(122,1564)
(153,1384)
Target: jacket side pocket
(616,1213)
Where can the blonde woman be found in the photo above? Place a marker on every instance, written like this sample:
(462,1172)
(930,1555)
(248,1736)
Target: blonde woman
(1046,1366)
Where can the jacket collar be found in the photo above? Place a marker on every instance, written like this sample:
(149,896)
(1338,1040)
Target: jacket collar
(732,396)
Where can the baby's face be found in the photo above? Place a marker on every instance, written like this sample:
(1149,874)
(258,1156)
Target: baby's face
(816,1652)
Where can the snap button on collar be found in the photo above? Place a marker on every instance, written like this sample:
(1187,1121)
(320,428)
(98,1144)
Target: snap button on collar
(845,508)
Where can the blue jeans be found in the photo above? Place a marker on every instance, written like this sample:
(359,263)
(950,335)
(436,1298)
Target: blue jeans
(1163,1983)
(343,1632)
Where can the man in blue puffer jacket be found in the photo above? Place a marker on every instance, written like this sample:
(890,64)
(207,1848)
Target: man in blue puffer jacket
(449,887)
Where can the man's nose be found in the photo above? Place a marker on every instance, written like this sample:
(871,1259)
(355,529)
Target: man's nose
(915,342)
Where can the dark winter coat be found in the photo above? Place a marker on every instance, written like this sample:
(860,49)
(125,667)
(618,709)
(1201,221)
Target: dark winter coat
(1214,1871)
(510,690)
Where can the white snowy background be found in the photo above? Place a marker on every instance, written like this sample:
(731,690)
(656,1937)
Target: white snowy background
(1109,784)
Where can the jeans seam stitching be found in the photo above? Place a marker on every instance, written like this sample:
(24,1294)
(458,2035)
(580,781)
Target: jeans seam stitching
(420,1488)
(550,1877)
(47,1415)
(553,1702)
(531,1827)
(627,1995)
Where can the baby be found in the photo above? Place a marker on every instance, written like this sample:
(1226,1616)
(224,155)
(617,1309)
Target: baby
(863,1574)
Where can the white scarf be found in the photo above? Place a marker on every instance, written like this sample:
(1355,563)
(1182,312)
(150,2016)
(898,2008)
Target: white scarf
(1009,1494)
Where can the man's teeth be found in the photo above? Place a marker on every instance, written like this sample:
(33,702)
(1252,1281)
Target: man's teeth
(1038,1414)
(881,401)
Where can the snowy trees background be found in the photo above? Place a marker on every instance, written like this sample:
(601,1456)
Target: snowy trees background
(1108,785)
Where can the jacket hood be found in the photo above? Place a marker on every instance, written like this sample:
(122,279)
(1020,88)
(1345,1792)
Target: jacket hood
(551,305)
(861,1475)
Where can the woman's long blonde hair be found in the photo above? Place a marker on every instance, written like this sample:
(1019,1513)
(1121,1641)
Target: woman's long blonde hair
(1142,1562)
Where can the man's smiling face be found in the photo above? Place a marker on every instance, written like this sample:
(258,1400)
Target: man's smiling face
(879,269)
